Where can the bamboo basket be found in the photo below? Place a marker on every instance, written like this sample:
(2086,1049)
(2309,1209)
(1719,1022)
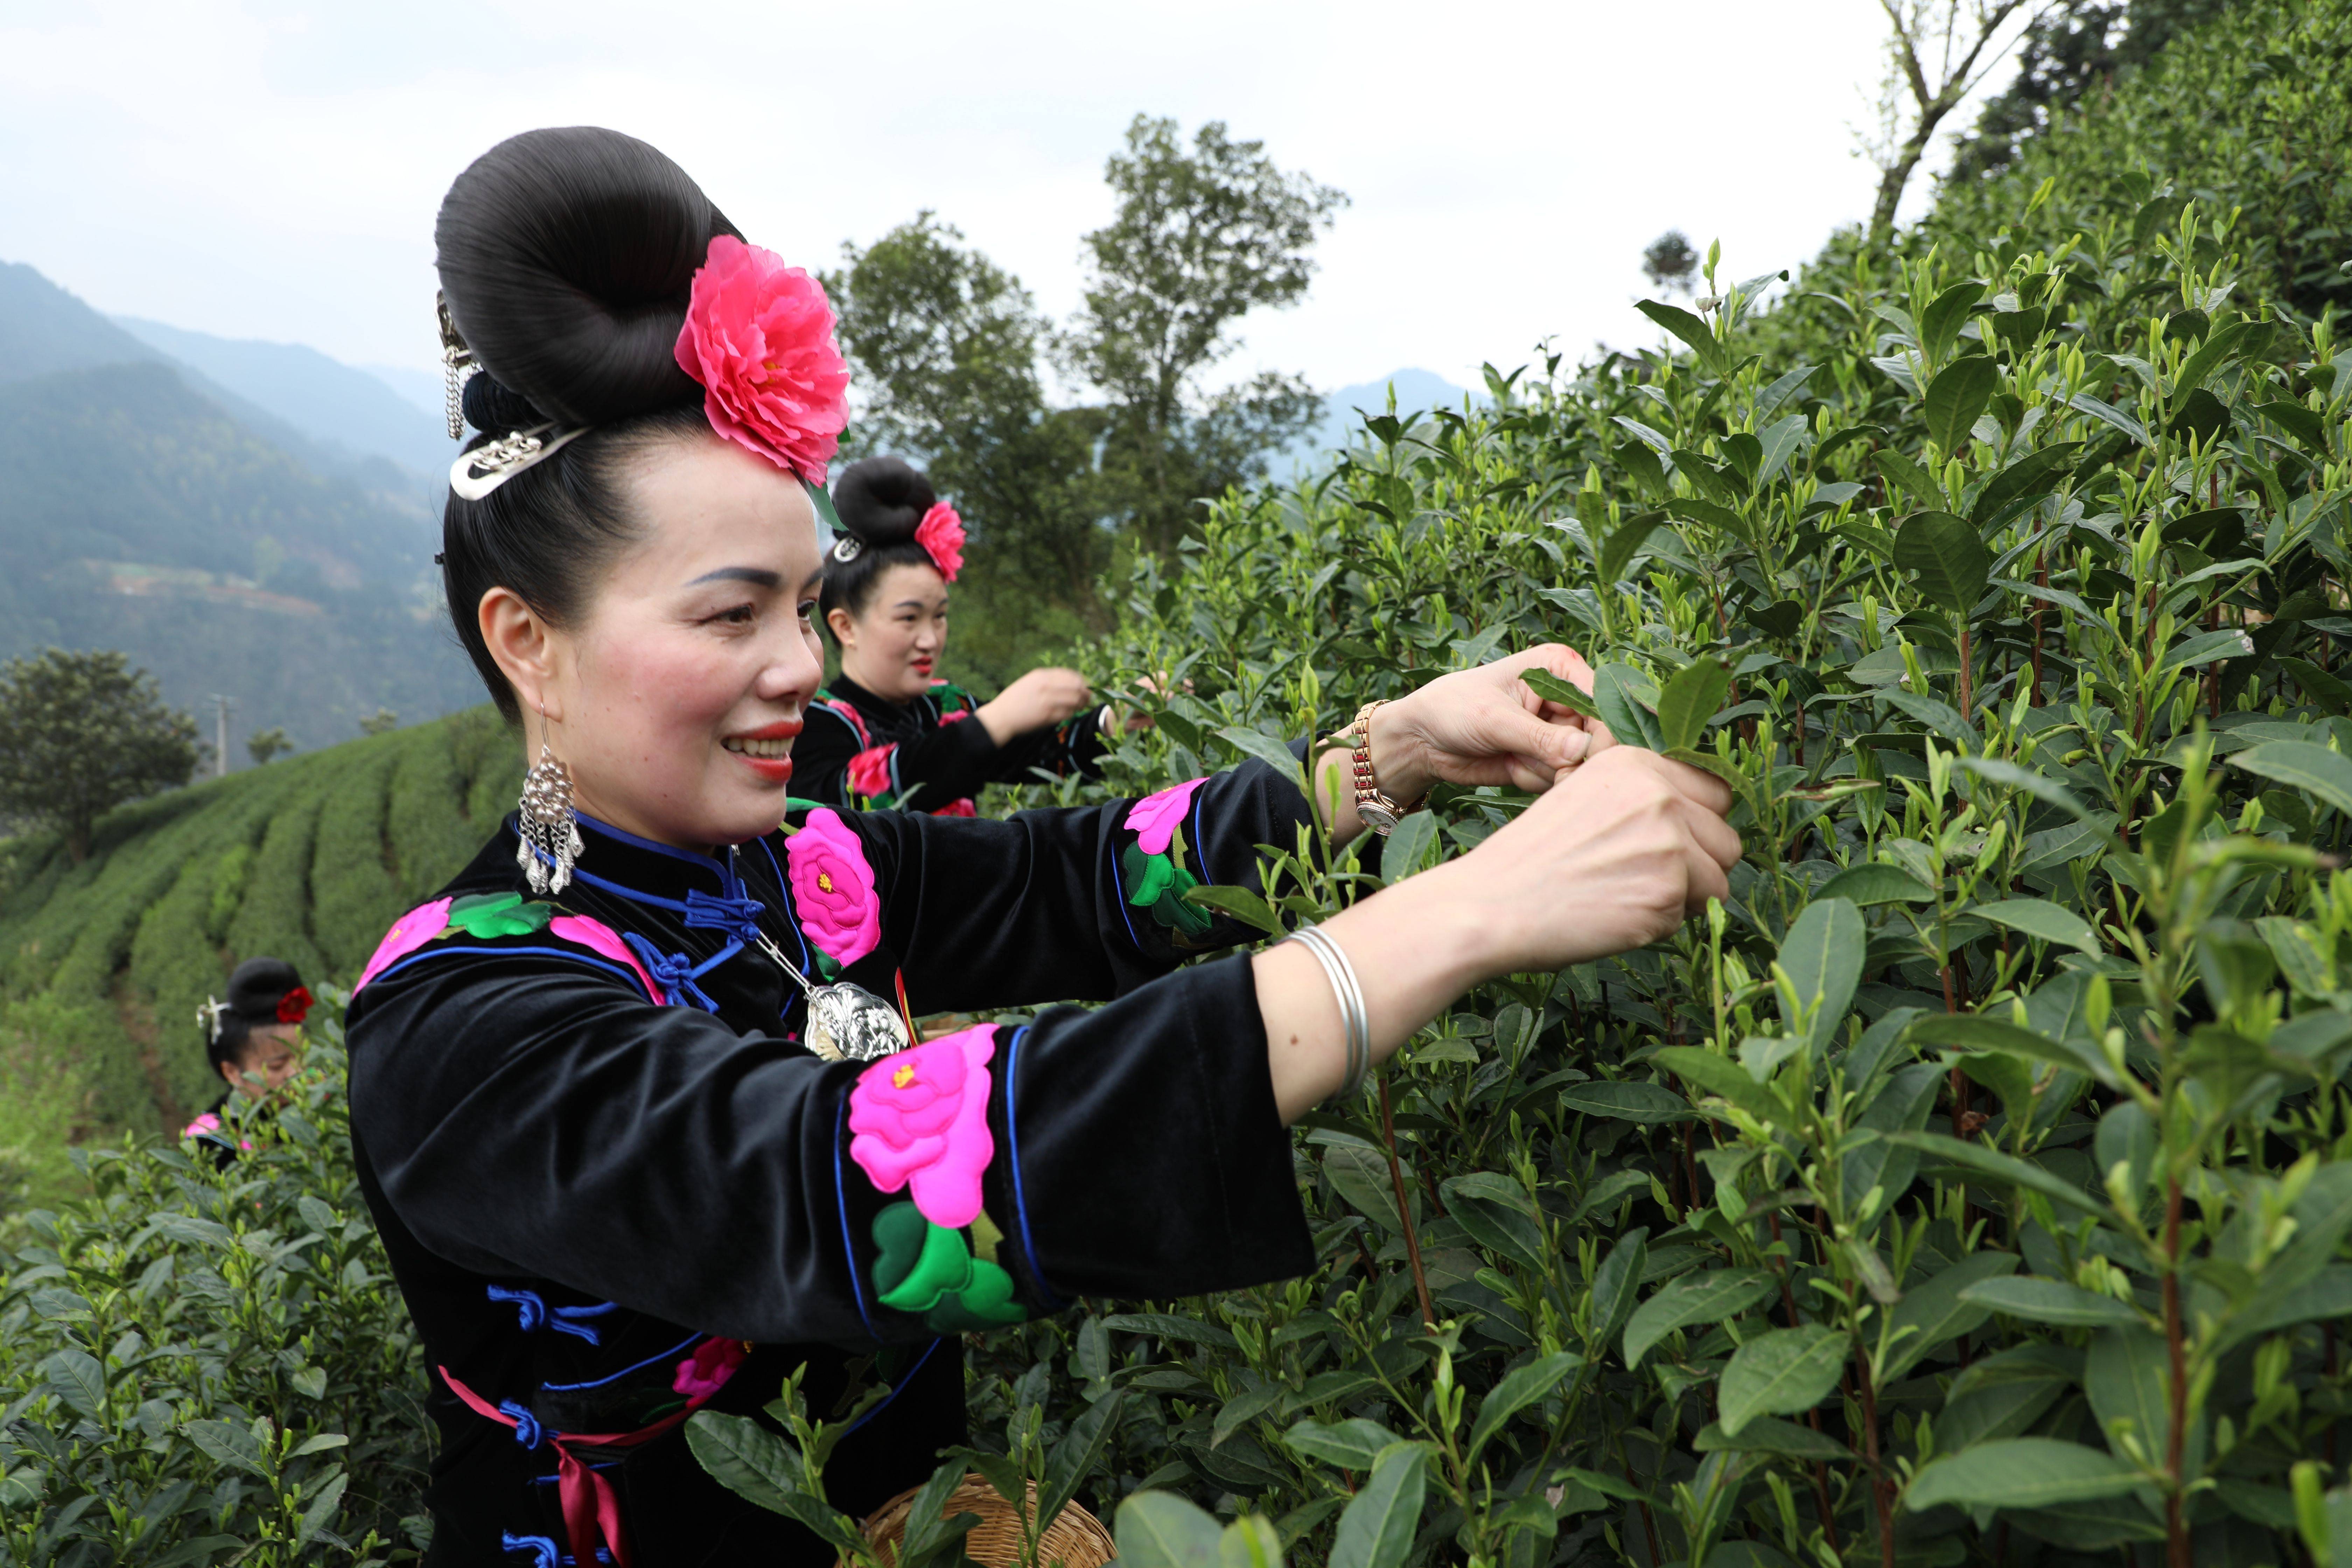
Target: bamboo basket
(1075,1539)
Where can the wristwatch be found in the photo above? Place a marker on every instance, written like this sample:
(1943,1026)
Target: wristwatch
(1378,812)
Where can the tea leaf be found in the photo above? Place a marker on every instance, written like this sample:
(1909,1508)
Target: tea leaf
(2315,769)
(1256,743)
(2040,918)
(1940,322)
(1518,1388)
(1721,1077)
(1614,1284)
(1378,1528)
(1624,542)
(1823,957)
(1691,329)
(1160,1529)
(1689,699)
(1876,882)
(1351,1445)
(1780,1372)
(746,1458)
(1955,398)
(1626,1100)
(1771,1434)
(1553,689)
(2018,1472)
(2050,1301)
(1999,1166)
(1239,902)
(1947,557)
(1705,1298)
(1937,1309)
(1617,690)
(1974,1032)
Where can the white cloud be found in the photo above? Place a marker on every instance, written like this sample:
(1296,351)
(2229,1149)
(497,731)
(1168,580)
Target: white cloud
(271,170)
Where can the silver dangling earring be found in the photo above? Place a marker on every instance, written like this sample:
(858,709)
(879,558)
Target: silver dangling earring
(546,823)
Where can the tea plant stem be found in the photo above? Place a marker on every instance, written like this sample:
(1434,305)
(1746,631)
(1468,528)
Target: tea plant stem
(1405,1211)
(2176,1526)
(1879,1489)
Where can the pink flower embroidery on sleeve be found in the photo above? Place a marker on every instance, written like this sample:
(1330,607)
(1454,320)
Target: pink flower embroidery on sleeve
(870,772)
(833,887)
(1155,817)
(599,938)
(963,807)
(958,717)
(409,932)
(920,1121)
(705,1372)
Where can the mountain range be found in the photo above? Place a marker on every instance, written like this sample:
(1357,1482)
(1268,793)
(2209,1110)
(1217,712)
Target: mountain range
(236,518)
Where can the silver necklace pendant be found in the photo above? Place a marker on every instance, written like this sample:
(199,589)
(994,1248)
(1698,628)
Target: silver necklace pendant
(846,1023)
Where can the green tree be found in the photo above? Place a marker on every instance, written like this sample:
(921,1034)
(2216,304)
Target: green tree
(1203,235)
(382,721)
(267,743)
(80,733)
(947,346)
(2078,46)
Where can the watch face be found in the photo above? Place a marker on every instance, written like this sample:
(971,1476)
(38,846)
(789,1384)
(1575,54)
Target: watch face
(1378,818)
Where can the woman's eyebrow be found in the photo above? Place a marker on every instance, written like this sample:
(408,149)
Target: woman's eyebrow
(758,576)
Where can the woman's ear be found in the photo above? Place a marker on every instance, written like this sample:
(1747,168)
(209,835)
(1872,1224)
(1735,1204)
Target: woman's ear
(233,1071)
(523,646)
(843,624)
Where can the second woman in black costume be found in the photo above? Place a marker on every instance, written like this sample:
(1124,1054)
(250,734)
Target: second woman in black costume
(885,733)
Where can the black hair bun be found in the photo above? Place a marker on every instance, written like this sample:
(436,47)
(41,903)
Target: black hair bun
(880,499)
(496,409)
(259,986)
(567,258)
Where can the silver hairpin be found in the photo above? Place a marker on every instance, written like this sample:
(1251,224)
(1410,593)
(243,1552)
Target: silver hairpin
(208,1018)
(847,548)
(486,467)
(457,367)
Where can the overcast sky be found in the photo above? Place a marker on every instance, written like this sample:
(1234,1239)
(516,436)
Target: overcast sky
(271,169)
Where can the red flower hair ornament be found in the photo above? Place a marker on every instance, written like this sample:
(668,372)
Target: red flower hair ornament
(758,339)
(940,534)
(294,1005)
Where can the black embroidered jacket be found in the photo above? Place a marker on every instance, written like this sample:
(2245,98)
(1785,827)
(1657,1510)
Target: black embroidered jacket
(930,754)
(615,1187)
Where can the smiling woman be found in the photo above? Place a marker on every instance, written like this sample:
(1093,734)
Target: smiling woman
(650,1145)
(887,731)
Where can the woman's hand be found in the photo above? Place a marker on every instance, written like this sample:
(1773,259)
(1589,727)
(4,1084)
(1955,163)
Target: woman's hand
(1627,847)
(1039,700)
(1482,726)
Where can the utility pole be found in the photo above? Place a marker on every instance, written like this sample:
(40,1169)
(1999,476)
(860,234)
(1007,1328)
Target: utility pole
(220,737)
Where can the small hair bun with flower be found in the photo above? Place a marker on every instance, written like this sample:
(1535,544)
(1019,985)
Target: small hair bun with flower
(759,337)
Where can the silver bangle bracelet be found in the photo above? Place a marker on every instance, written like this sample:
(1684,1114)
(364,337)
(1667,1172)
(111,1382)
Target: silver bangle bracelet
(1353,1014)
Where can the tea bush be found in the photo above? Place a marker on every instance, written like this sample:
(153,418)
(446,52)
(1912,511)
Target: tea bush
(1973,1184)
(204,1365)
(307,859)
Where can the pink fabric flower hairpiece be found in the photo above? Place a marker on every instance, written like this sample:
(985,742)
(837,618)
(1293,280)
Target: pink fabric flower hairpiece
(759,337)
(940,534)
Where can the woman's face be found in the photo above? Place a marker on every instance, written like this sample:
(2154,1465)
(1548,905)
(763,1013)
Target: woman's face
(272,1054)
(674,700)
(893,645)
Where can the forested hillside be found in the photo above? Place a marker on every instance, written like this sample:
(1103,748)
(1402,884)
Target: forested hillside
(307,859)
(146,509)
